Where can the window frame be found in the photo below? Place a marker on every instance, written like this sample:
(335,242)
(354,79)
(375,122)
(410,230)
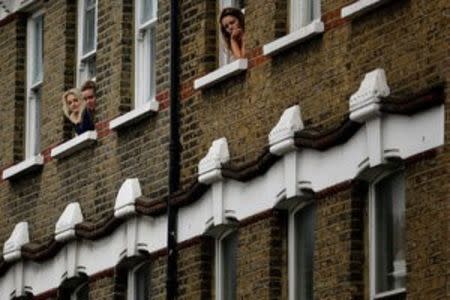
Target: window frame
(83,59)
(372,232)
(73,295)
(132,277)
(219,264)
(293,290)
(299,16)
(145,47)
(34,88)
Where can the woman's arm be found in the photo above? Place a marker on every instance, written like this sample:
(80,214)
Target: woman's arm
(237,43)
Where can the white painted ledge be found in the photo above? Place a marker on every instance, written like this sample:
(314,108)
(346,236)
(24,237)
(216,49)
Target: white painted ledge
(236,67)
(23,167)
(314,28)
(76,144)
(360,7)
(134,115)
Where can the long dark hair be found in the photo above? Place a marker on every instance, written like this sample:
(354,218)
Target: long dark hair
(235,12)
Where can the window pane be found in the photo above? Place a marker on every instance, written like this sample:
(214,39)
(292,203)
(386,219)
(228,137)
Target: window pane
(151,68)
(229,250)
(37,72)
(89,27)
(148,10)
(389,234)
(304,249)
(142,282)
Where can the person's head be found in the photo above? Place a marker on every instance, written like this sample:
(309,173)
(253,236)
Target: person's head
(73,103)
(89,94)
(230,19)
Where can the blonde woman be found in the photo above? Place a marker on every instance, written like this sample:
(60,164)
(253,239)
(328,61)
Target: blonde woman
(74,107)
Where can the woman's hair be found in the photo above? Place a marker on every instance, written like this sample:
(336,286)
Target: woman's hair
(235,12)
(77,93)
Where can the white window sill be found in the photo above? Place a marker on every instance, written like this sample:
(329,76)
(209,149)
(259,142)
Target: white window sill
(77,143)
(236,67)
(360,7)
(314,28)
(23,167)
(390,293)
(134,115)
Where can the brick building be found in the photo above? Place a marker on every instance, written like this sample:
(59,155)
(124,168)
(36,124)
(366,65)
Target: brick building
(315,168)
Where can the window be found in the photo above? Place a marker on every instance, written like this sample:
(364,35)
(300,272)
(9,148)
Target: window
(224,54)
(145,55)
(301,252)
(387,242)
(87,40)
(302,13)
(81,292)
(35,73)
(226,266)
(139,282)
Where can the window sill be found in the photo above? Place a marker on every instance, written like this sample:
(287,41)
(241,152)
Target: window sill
(360,7)
(28,165)
(236,67)
(314,28)
(390,293)
(134,115)
(77,143)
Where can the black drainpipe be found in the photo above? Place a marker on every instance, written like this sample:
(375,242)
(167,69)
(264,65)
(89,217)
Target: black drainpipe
(174,152)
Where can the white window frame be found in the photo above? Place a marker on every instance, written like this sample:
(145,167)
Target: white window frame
(73,295)
(302,13)
(34,89)
(372,235)
(83,59)
(220,263)
(145,47)
(225,57)
(132,294)
(292,251)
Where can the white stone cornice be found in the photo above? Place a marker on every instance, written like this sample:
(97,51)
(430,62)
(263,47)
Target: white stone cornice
(209,168)
(65,227)
(364,104)
(281,137)
(18,238)
(126,198)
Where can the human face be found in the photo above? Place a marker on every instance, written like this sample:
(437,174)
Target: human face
(73,103)
(230,24)
(89,97)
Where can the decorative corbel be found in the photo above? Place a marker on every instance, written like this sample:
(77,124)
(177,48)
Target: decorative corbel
(126,198)
(65,227)
(365,108)
(12,253)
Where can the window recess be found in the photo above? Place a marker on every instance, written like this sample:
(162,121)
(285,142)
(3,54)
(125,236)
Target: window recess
(87,41)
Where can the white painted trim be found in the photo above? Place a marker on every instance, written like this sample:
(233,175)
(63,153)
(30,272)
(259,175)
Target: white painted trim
(134,115)
(294,38)
(76,144)
(359,7)
(23,166)
(11,6)
(236,67)
(402,137)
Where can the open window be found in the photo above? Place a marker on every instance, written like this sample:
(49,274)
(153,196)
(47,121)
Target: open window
(87,41)
(224,54)
(387,237)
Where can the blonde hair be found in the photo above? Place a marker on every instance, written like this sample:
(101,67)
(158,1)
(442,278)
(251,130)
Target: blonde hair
(69,114)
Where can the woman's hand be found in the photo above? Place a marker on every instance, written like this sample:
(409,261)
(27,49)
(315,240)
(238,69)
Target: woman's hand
(237,34)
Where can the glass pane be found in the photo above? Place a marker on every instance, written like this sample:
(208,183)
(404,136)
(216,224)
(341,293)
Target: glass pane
(229,250)
(148,10)
(304,249)
(389,234)
(151,69)
(37,72)
(90,67)
(89,30)
(142,282)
